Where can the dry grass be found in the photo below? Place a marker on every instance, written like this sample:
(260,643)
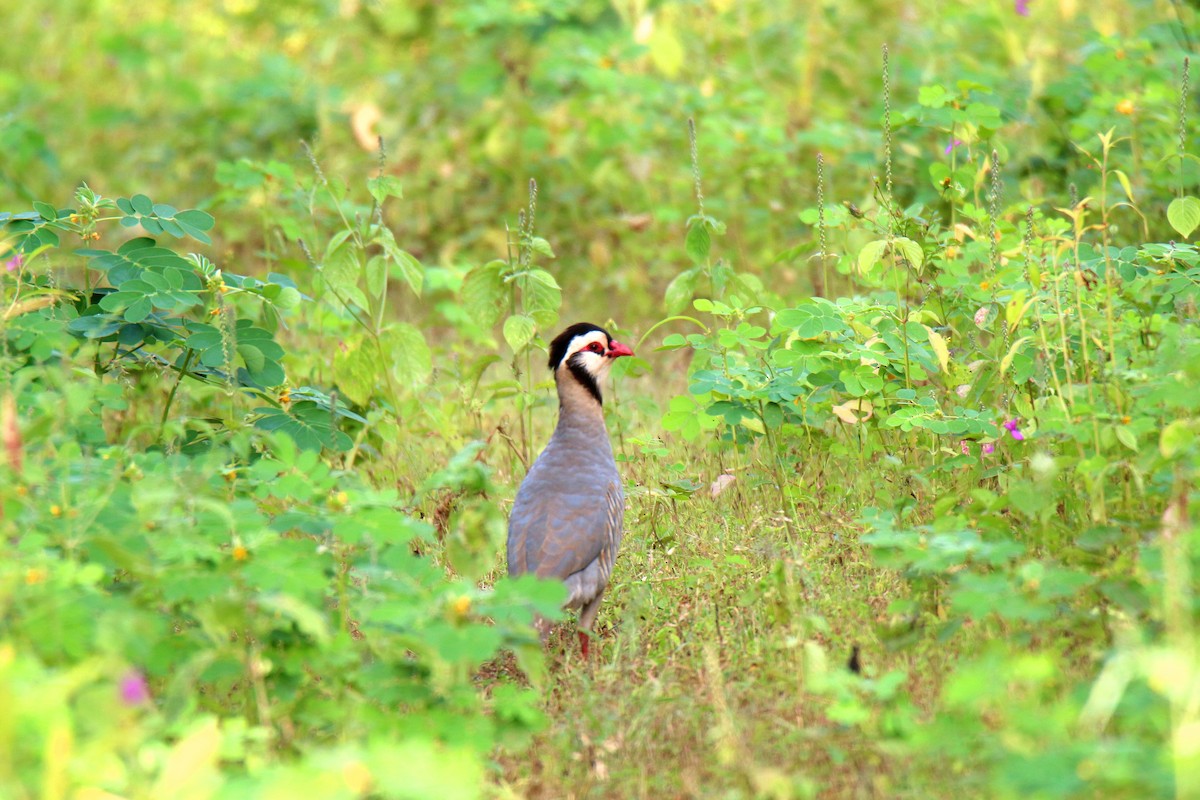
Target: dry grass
(701,683)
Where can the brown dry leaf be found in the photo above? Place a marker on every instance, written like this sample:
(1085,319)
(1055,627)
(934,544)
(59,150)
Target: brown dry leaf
(363,119)
(722,483)
(850,411)
(637,222)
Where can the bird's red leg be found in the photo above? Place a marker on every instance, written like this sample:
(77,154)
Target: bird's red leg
(583,643)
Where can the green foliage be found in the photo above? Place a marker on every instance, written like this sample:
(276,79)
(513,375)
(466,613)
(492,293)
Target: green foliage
(938,411)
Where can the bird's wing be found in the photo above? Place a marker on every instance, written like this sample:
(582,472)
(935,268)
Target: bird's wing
(557,535)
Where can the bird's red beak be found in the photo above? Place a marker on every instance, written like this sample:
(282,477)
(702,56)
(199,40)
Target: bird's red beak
(616,350)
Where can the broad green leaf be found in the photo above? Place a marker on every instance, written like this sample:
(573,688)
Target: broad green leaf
(541,247)
(680,290)
(1126,437)
(483,293)
(1176,436)
(666,51)
(194,218)
(911,252)
(142,204)
(940,349)
(540,297)
(411,359)
(934,96)
(518,332)
(341,266)
(355,369)
(385,186)
(870,254)
(410,269)
(46,211)
(1006,362)
(1015,309)
(1184,215)
(698,243)
(376,275)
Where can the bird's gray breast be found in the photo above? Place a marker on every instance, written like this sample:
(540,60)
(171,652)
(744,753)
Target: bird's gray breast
(566,522)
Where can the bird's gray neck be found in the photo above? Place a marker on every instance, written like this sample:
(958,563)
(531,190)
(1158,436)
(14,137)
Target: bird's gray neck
(578,408)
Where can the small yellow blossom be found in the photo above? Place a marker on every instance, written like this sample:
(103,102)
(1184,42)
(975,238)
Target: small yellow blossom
(240,553)
(1125,107)
(35,575)
(56,510)
(461,606)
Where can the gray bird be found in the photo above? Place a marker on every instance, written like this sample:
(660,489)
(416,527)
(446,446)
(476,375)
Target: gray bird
(567,520)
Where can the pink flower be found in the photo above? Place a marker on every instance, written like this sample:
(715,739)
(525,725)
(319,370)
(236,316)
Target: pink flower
(1011,427)
(965,446)
(134,689)
(1022,7)
(953,144)
(981,316)
(14,263)
(989,448)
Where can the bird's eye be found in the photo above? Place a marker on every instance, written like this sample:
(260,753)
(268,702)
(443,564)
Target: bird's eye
(595,347)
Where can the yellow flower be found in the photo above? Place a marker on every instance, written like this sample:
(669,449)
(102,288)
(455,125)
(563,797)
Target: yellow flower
(56,511)
(34,575)
(240,553)
(1125,107)
(461,606)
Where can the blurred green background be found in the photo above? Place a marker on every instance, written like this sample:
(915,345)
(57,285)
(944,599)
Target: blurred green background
(206,103)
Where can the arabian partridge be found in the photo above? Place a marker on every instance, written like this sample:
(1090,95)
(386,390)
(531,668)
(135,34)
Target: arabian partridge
(567,521)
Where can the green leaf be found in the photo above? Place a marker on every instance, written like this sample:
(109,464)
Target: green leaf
(698,243)
(518,332)
(142,204)
(356,370)
(412,361)
(410,269)
(194,218)
(541,247)
(1126,437)
(385,186)
(934,96)
(870,255)
(540,297)
(45,210)
(483,293)
(940,349)
(341,266)
(666,50)
(376,275)
(1176,437)
(911,252)
(1184,215)
(1123,179)
(680,290)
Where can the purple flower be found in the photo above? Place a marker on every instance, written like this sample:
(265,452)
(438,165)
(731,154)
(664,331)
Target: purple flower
(1022,7)
(1011,427)
(989,448)
(134,689)
(14,263)
(953,144)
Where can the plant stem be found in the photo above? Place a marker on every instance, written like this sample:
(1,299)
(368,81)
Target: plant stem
(183,368)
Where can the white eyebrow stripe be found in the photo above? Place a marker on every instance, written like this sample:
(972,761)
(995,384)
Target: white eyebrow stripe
(582,341)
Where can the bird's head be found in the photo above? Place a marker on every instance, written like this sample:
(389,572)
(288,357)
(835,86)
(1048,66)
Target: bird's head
(585,352)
